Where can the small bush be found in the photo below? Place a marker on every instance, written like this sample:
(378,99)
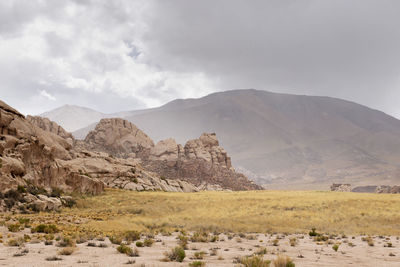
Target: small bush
(45,228)
(293,241)
(283,261)
(21,189)
(66,242)
(183,241)
(16,227)
(116,240)
(132,236)
(335,247)
(200,237)
(254,261)
(66,251)
(275,242)
(15,242)
(124,249)
(48,242)
(199,255)
(148,242)
(176,254)
(139,244)
(53,258)
(313,232)
(197,264)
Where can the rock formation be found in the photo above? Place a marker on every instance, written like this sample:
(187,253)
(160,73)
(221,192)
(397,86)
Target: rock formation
(39,160)
(201,162)
(31,158)
(120,138)
(341,187)
(50,126)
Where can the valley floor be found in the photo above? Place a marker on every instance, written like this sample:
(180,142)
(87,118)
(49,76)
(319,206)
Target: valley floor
(365,228)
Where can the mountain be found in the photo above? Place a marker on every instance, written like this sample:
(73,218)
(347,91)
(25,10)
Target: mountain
(287,141)
(72,118)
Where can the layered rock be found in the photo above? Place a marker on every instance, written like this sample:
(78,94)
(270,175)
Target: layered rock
(32,156)
(341,187)
(50,126)
(201,162)
(120,138)
(123,173)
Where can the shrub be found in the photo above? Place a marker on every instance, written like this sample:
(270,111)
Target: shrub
(16,242)
(199,237)
(176,254)
(199,255)
(335,247)
(115,240)
(197,264)
(21,189)
(45,228)
(275,242)
(66,242)
(24,221)
(254,261)
(53,258)
(48,242)
(66,251)
(183,241)
(313,232)
(132,236)
(56,192)
(261,251)
(283,261)
(14,227)
(139,244)
(127,250)
(148,242)
(293,241)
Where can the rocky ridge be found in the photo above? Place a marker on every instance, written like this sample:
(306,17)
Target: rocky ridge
(201,161)
(31,163)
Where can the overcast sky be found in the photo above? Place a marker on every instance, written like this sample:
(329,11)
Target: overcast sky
(125,55)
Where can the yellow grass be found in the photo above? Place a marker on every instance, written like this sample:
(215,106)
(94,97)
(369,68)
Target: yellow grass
(255,211)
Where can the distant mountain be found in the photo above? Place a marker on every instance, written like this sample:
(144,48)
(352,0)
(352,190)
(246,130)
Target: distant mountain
(72,118)
(287,141)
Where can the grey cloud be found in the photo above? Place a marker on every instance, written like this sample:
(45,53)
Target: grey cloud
(340,48)
(346,49)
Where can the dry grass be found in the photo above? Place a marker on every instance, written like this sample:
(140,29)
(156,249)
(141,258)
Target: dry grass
(117,211)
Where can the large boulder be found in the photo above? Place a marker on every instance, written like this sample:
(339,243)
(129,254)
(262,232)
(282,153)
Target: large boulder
(120,138)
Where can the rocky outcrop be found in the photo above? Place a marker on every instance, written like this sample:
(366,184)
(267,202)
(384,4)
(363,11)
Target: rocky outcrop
(50,126)
(34,157)
(201,162)
(388,189)
(120,138)
(341,187)
(123,173)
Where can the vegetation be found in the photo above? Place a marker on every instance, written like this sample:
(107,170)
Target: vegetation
(176,254)
(283,261)
(110,214)
(255,261)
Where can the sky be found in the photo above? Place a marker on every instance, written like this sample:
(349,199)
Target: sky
(125,55)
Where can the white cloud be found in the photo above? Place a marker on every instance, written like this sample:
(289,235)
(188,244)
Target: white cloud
(47,95)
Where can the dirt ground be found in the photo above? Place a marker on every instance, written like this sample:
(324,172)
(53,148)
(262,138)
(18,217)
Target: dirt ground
(352,251)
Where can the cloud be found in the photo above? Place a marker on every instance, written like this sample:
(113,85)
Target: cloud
(47,95)
(144,53)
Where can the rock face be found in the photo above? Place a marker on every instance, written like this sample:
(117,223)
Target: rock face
(341,187)
(34,157)
(120,138)
(50,126)
(201,162)
(123,173)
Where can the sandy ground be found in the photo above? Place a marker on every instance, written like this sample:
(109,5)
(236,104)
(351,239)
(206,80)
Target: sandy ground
(305,253)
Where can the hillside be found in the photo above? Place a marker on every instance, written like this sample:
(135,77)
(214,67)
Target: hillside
(287,141)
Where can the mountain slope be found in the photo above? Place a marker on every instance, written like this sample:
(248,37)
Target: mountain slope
(72,118)
(287,141)
(305,141)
